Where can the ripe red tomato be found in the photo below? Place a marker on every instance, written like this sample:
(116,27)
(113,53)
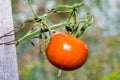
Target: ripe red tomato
(66,52)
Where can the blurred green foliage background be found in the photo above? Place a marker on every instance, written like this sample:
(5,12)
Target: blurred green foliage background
(102,38)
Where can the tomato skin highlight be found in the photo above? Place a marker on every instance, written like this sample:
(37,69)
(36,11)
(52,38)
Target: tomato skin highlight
(66,52)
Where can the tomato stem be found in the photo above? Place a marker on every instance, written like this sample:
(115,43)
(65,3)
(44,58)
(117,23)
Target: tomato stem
(29,35)
(43,26)
(66,8)
(30,4)
(85,26)
(38,31)
(61,25)
(59,73)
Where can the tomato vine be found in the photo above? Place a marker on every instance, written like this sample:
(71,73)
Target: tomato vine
(71,24)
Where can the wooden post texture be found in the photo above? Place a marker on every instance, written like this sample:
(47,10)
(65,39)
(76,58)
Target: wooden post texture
(8,58)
